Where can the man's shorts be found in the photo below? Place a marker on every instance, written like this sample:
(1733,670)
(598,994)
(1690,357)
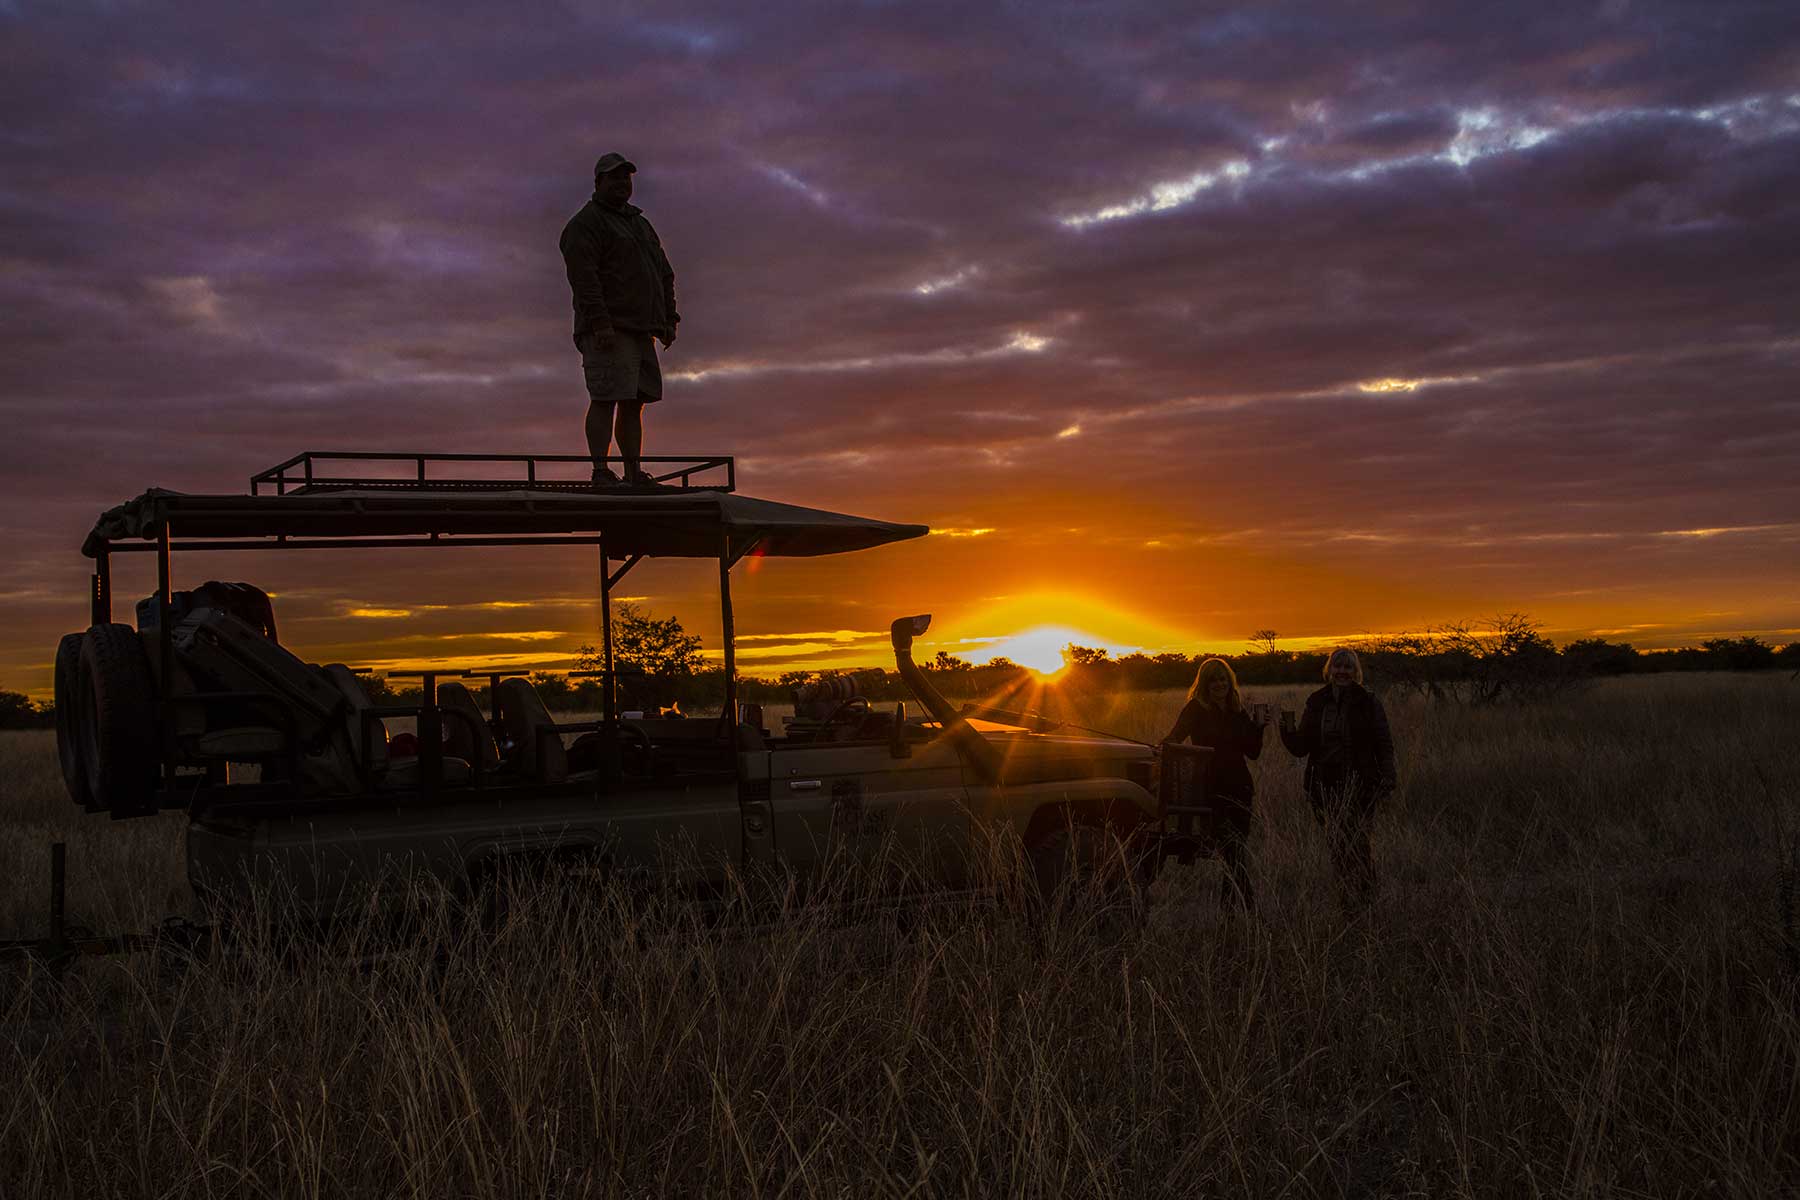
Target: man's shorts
(621,368)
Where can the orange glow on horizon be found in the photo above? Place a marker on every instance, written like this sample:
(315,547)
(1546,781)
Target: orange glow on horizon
(1041,648)
(1033,628)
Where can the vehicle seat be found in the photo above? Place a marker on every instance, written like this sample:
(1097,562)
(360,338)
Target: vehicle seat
(522,714)
(467,737)
(391,772)
(225,653)
(230,655)
(374,732)
(190,719)
(750,732)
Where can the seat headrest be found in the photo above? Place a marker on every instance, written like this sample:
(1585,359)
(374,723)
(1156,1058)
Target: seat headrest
(469,736)
(522,714)
(349,684)
(375,729)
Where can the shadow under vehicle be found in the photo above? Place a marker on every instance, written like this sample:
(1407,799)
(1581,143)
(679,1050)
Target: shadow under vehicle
(288,771)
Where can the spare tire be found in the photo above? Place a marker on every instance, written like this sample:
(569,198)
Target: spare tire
(118,721)
(68,721)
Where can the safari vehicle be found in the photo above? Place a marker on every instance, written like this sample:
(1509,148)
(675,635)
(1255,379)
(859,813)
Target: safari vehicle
(287,768)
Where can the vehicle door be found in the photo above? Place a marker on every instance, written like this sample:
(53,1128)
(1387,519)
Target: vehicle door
(903,821)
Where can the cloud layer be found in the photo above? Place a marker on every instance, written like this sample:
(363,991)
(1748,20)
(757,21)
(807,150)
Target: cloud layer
(1317,317)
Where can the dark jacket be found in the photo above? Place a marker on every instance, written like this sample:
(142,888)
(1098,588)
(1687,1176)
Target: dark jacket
(618,273)
(1369,757)
(1233,737)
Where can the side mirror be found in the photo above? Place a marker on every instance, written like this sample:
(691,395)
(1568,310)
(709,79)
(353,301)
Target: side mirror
(906,629)
(897,745)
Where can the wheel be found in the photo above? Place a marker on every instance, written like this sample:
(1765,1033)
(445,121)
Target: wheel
(68,722)
(117,707)
(1076,864)
(1062,864)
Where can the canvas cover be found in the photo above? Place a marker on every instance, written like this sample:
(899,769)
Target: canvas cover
(672,524)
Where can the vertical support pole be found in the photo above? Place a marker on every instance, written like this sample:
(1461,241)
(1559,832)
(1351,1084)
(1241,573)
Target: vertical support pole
(609,701)
(100,603)
(607,777)
(431,738)
(165,651)
(730,630)
(58,894)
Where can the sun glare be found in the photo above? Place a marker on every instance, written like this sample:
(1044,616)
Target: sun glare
(1041,649)
(1042,622)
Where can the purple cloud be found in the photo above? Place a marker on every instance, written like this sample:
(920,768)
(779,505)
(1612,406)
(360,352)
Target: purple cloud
(1461,276)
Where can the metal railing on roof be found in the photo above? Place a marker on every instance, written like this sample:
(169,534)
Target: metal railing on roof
(314,471)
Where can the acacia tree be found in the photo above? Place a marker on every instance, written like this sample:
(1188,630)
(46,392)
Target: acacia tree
(1263,641)
(648,645)
(1501,658)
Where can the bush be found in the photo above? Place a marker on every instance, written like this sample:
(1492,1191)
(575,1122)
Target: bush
(1739,654)
(1597,656)
(1507,661)
(17,711)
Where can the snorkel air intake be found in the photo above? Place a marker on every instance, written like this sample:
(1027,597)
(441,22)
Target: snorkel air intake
(976,750)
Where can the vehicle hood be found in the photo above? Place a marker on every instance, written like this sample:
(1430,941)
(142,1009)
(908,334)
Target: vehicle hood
(1027,757)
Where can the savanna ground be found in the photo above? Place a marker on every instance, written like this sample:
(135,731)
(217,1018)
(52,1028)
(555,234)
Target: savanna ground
(1579,979)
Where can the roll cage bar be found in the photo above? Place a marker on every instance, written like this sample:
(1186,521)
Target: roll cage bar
(305,472)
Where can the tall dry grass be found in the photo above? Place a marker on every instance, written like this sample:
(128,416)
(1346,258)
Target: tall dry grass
(1573,983)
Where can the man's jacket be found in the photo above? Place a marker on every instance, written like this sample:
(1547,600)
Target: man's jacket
(618,273)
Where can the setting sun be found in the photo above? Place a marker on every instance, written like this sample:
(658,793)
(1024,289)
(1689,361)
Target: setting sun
(1041,649)
(1045,622)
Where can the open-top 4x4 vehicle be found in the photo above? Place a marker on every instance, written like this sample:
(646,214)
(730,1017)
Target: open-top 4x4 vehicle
(174,712)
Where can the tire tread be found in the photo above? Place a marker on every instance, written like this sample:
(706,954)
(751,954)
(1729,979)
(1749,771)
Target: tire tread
(118,727)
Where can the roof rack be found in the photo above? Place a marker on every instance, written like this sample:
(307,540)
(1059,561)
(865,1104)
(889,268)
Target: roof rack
(313,472)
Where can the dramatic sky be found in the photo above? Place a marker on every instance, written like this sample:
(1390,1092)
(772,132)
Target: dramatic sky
(1174,321)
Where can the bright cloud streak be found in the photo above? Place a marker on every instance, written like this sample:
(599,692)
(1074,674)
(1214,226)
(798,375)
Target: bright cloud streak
(1018,343)
(1162,196)
(947,282)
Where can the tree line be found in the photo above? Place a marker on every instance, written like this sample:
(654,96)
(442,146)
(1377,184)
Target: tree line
(660,665)
(1504,657)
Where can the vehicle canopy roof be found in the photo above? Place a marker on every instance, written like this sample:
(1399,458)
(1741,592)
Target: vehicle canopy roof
(654,523)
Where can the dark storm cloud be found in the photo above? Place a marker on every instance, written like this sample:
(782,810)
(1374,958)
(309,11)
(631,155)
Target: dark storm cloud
(1148,245)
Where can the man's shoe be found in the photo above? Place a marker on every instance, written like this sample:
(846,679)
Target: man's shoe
(638,477)
(604,477)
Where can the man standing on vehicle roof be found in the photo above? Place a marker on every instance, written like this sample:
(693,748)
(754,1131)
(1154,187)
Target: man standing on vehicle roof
(624,295)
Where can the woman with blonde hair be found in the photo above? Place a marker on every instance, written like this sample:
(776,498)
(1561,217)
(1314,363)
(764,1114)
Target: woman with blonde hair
(1349,750)
(1214,716)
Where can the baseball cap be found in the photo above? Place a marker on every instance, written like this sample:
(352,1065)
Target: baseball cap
(612,162)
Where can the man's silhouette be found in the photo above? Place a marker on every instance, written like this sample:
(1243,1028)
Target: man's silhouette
(624,294)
